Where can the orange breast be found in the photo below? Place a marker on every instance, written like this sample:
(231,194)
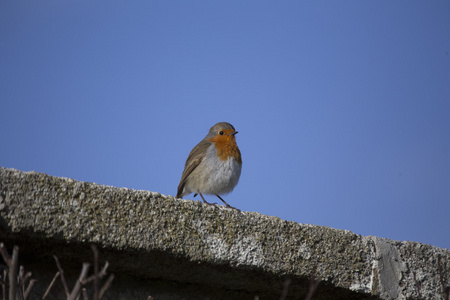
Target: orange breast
(226,147)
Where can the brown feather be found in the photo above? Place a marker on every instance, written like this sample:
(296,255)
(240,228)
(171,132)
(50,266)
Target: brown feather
(194,159)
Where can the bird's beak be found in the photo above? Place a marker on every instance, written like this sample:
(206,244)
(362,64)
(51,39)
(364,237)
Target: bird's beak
(234,132)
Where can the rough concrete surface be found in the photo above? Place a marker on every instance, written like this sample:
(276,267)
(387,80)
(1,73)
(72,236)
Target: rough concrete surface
(180,249)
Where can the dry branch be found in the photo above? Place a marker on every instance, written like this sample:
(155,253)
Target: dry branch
(101,274)
(285,290)
(84,292)
(28,290)
(51,284)
(106,286)
(13,273)
(5,254)
(77,288)
(63,279)
(95,251)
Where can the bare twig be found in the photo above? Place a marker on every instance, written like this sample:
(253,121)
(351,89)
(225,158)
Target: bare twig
(51,284)
(84,292)
(285,290)
(101,274)
(95,251)
(77,288)
(5,254)
(23,279)
(26,277)
(13,268)
(103,271)
(20,285)
(63,279)
(28,290)
(21,274)
(5,272)
(313,284)
(106,286)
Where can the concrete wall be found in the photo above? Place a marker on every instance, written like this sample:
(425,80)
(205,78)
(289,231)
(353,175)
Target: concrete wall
(169,248)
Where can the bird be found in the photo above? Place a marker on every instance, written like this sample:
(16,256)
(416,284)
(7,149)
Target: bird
(213,166)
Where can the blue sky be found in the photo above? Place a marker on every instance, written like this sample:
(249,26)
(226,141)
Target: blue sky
(342,107)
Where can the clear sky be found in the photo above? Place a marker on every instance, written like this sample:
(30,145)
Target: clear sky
(342,107)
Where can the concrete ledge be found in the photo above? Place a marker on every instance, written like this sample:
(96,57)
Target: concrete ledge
(180,249)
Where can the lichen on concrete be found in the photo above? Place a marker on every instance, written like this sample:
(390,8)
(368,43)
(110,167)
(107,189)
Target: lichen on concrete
(158,237)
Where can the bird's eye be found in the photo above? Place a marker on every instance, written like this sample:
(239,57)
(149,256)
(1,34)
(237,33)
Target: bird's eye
(221,132)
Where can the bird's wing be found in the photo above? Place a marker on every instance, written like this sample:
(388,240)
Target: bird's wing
(194,159)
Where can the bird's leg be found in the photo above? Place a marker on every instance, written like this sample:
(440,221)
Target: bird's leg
(205,200)
(228,205)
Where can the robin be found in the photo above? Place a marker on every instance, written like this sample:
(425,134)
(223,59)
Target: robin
(214,166)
